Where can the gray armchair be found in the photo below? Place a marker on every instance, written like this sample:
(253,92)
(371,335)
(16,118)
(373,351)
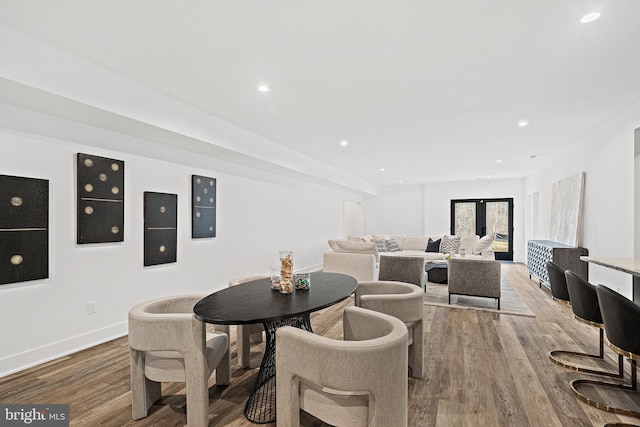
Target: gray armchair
(168,344)
(407,269)
(401,300)
(479,278)
(361,381)
(246,334)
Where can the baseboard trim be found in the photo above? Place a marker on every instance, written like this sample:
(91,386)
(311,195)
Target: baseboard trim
(28,359)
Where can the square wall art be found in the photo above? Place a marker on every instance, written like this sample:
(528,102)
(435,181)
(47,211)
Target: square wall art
(160,228)
(24,234)
(100,199)
(203,207)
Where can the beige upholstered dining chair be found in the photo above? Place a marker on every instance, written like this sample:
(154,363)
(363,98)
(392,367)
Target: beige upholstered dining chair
(401,300)
(247,334)
(361,381)
(168,344)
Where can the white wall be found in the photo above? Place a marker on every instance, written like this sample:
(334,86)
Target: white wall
(43,319)
(607,157)
(397,209)
(438,198)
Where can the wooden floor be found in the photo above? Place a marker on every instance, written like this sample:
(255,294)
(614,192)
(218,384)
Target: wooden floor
(482,369)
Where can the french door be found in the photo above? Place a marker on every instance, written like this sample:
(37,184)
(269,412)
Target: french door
(482,217)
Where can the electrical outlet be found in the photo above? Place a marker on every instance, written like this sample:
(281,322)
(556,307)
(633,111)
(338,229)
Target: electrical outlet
(92,307)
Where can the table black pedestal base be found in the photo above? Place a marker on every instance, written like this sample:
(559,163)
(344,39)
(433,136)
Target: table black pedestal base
(261,406)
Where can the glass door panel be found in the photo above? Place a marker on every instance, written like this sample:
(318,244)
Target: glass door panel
(497,220)
(465,219)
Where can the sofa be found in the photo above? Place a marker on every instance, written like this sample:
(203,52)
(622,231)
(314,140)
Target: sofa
(358,256)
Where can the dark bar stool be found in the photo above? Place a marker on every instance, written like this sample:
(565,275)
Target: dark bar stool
(621,318)
(558,283)
(586,308)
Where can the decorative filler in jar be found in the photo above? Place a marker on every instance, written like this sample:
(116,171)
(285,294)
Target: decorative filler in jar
(303,280)
(275,278)
(286,272)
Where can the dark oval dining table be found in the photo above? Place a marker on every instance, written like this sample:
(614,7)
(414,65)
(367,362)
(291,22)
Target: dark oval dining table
(256,302)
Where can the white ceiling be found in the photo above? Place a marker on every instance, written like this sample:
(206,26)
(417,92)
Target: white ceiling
(428,90)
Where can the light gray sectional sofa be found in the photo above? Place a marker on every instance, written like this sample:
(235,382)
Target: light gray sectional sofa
(358,255)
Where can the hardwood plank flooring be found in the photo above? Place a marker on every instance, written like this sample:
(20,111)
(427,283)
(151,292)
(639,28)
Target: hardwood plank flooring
(481,369)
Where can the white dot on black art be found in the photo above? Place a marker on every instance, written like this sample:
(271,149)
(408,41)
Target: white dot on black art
(162,248)
(211,183)
(205,191)
(163,209)
(88,162)
(115,167)
(115,229)
(115,190)
(102,177)
(16,201)
(197,214)
(198,181)
(88,210)
(88,188)
(16,260)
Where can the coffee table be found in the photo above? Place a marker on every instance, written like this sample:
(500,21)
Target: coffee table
(437,271)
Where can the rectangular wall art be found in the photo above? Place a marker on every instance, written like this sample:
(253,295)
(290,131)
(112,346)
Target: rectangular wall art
(160,228)
(566,210)
(203,207)
(100,199)
(24,235)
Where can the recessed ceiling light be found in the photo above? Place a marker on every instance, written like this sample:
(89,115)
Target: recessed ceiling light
(498,161)
(400,181)
(523,123)
(344,143)
(263,88)
(381,169)
(488,176)
(590,17)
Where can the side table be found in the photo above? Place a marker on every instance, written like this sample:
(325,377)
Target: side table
(437,272)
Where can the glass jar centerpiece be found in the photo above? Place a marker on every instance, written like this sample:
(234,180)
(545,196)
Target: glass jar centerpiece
(286,272)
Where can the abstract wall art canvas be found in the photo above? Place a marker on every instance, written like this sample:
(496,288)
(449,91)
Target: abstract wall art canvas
(24,234)
(100,195)
(160,228)
(203,207)
(566,210)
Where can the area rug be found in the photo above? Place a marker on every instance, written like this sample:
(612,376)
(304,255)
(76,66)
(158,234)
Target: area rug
(510,302)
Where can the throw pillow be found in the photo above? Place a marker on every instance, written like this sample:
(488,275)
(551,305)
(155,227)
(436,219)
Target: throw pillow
(355,247)
(433,245)
(415,243)
(392,245)
(468,244)
(449,244)
(483,244)
(381,244)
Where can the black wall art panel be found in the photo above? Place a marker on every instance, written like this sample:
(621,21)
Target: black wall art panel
(203,207)
(100,199)
(160,228)
(24,235)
